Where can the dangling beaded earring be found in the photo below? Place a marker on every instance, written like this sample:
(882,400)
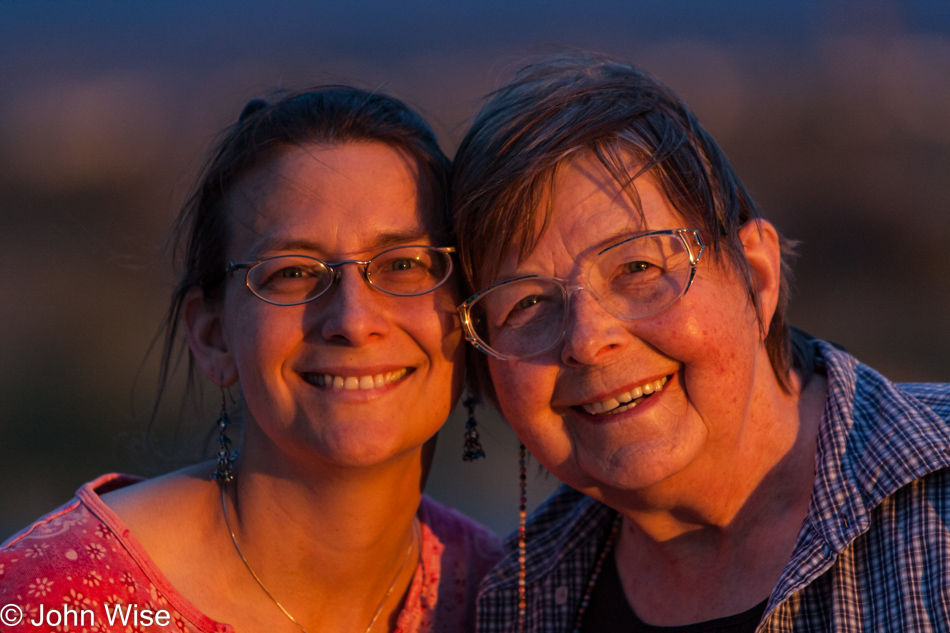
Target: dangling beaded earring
(223,471)
(473,448)
(522,520)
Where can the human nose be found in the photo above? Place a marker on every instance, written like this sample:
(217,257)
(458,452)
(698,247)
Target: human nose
(353,314)
(591,332)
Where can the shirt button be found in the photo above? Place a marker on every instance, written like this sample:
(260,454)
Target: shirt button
(560,595)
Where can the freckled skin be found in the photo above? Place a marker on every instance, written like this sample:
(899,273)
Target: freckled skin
(708,343)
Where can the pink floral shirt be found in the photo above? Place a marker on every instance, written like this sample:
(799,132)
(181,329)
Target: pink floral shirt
(80,569)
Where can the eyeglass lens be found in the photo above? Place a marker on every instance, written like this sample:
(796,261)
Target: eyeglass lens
(293,279)
(409,271)
(634,279)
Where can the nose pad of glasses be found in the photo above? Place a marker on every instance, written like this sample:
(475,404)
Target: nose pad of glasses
(337,271)
(572,292)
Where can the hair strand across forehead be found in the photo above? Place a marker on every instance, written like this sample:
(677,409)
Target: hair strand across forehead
(323,115)
(573,103)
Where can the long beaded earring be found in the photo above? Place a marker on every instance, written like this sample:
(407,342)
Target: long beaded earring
(224,469)
(473,448)
(522,520)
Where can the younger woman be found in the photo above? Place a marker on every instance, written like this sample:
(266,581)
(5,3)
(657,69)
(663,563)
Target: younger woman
(317,287)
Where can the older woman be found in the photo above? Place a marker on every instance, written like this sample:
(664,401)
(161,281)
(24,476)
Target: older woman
(726,473)
(317,288)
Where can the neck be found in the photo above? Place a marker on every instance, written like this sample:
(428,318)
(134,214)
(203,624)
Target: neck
(719,537)
(762,470)
(327,541)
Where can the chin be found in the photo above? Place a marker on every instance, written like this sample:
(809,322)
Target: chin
(631,469)
(364,451)
(356,455)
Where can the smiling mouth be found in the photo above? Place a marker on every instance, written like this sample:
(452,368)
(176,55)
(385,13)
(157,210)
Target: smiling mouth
(353,383)
(625,401)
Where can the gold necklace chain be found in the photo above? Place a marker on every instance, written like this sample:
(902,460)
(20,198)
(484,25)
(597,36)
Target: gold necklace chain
(382,603)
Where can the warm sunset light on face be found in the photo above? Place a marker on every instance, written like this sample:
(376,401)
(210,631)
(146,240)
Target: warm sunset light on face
(834,115)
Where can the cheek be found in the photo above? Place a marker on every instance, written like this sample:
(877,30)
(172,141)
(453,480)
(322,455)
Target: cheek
(452,349)
(717,348)
(524,394)
(262,339)
(433,322)
(708,339)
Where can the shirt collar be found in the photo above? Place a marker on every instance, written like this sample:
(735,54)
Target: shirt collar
(874,438)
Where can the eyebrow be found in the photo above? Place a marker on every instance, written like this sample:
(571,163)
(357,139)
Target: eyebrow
(599,247)
(620,235)
(381,242)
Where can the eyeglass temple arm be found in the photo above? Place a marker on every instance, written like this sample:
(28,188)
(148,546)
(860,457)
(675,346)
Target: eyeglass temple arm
(693,258)
(232,267)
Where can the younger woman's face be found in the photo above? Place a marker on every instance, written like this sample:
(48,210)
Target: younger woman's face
(335,203)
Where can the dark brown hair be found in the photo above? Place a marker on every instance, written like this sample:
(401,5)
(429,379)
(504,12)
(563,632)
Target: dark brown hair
(556,109)
(326,115)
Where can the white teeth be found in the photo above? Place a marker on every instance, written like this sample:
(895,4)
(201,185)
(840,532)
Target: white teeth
(625,401)
(353,383)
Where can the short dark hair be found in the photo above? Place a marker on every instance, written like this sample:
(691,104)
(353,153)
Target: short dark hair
(326,115)
(572,103)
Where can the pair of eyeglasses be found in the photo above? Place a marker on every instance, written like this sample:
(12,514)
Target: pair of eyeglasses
(404,271)
(633,279)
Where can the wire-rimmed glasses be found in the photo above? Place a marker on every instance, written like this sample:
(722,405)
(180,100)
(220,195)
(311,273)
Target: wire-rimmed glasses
(632,279)
(403,271)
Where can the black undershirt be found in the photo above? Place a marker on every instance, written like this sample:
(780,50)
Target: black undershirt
(609,612)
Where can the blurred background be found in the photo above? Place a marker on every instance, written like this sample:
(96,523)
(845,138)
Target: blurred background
(836,115)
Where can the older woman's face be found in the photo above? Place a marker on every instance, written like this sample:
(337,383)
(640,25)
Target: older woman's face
(397,360)
(706,347)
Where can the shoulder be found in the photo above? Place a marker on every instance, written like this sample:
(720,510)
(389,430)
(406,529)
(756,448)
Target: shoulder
(916,517)
(153,498)
(85,557)
(886,570)
(70,521)
(461,537)
(159,510)
(934,396)
(73,555)
(562,528)
(562,539)
(855,389)
(880,446)
(872,425)
(457,552)
(897,571)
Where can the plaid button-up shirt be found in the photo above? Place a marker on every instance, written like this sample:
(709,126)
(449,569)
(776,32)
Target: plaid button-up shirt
(873,553)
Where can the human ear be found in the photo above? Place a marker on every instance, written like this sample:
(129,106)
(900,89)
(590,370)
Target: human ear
(763,251)
(204,330)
